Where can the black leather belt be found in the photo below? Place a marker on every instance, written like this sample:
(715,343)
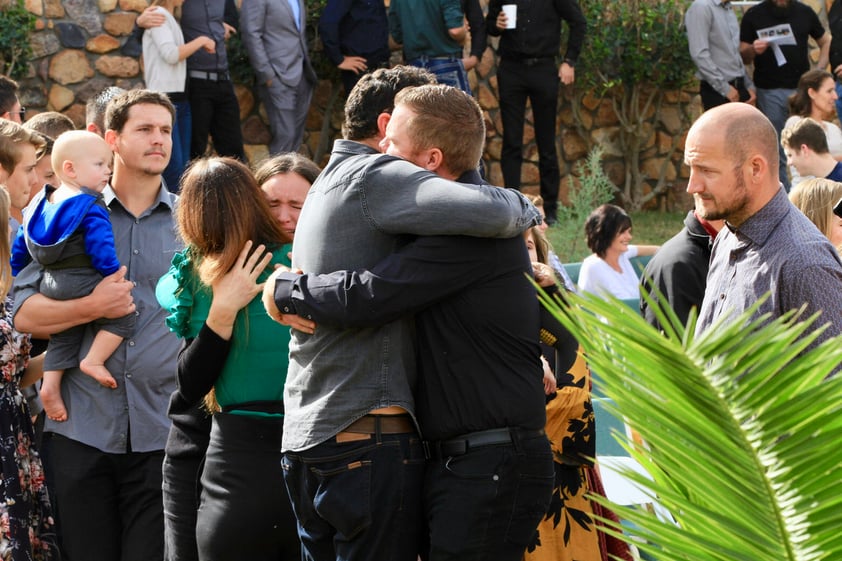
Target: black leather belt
(530,61)
(210,76)
(466,442)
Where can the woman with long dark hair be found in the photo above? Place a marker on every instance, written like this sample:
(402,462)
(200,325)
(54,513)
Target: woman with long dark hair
(816,98)
(235,356)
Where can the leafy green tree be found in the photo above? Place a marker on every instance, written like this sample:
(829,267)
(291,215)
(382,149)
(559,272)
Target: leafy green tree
(742,431)
(16,25)
(635,54)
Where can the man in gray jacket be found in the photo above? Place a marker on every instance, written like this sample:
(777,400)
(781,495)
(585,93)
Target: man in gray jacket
(714,38)
(273,31)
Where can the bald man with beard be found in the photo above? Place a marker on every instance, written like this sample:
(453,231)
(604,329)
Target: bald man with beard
(767,244)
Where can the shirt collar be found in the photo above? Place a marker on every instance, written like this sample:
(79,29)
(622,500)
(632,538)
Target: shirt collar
(759,227)
(353,147)
(164,197)
(471,177)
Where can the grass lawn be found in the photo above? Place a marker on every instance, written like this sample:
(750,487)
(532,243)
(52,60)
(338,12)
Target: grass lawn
(648,228)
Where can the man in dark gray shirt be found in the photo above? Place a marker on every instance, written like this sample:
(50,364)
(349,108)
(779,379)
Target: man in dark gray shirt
(107,456)
(767,244)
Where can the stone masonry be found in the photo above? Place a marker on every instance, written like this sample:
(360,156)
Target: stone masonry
(80,47)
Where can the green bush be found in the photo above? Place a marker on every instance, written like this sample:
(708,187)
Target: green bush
(594,189)
(16,25)
(635,53)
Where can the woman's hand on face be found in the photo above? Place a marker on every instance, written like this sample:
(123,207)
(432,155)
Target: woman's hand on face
(239,286)
(543,273)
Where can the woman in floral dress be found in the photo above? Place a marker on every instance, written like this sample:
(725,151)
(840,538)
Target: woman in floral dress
(570,529)
(26,523)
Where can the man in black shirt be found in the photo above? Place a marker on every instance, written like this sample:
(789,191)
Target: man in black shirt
(527,69)
(778,67)
(679,270)
(479,38)
(480,400)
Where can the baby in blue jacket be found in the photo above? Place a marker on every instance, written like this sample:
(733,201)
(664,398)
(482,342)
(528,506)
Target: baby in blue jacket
(67,230)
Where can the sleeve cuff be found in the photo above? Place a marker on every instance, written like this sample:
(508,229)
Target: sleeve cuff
(284,286)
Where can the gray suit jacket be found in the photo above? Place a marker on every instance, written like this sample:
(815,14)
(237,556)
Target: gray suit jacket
(277,49)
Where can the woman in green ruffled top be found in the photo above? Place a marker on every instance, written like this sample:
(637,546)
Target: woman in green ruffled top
(234,356)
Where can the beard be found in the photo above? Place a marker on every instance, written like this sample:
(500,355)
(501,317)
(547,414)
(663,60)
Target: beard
(781,12)
(736,207)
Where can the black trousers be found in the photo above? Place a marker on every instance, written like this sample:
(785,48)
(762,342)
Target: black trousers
(183,462)
(539,83)
(245,512)
(215,111)
(712,98)
(486,504)
(109,505)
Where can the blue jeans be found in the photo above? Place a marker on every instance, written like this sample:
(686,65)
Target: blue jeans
(359,500)
(487,504)
(180,156)
(774,104)
(449,70)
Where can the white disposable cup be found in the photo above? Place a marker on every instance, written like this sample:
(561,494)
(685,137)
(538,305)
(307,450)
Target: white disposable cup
(511,15)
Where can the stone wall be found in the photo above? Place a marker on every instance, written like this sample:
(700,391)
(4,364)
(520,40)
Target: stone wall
(80,47)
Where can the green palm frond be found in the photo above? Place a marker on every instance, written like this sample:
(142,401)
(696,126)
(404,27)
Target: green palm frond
(742,432)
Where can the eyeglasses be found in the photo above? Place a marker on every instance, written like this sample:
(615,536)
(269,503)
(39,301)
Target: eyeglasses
(22,114)
(837,208)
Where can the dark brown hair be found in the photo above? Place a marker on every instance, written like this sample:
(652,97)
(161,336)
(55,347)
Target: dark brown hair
(290,162)
(375,94)
(117,113)
(8,93)
(603,225)
(50,123)
(807,132)
(800,103)
(220,208)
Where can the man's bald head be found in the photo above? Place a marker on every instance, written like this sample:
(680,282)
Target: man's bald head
(744,131)
(732,152)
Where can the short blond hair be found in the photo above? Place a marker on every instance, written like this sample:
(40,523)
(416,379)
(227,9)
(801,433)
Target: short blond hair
(448,119)
(12,135)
